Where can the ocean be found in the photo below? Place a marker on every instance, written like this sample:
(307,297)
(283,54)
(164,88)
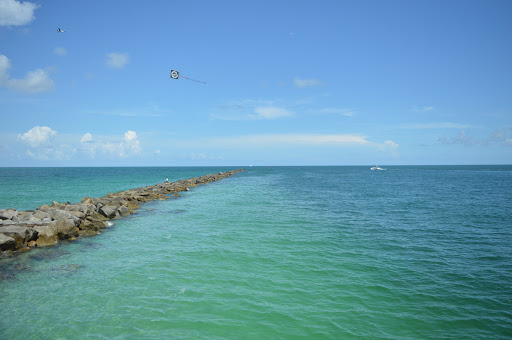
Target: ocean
(413,252)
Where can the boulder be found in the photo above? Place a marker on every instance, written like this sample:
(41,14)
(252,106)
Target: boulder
(77,214)
(123,211)
(21,235)
(47,236)
(108,211)
(65,228)
(40,215)
(95,225)
(44,208)
(8,214)
(7,243)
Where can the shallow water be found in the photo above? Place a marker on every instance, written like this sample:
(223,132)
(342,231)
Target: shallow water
(281,252)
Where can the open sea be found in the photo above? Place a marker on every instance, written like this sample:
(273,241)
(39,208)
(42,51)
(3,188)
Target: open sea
(413,252)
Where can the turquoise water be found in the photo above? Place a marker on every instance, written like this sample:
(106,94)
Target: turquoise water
(272,253)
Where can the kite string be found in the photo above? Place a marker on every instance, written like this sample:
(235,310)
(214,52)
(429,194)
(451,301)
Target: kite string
(198,81)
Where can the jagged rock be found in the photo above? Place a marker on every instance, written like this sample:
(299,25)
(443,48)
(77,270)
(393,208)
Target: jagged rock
(89,200)
(123,211)
(65,228)
(8,214)
(44,208)
(21,235)
(95,225)
(7,243)
(47,236)
(77,214)
(40,215)
(108,211)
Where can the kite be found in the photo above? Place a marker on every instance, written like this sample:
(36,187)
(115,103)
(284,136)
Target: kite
(60,31)
(176,75)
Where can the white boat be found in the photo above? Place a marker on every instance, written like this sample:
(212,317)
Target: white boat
(376,168)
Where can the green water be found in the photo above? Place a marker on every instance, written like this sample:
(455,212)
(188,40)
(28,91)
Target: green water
(284,253)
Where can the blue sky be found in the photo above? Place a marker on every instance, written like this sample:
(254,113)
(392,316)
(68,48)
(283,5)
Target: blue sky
(287,83)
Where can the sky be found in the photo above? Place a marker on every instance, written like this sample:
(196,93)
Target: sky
(276,83)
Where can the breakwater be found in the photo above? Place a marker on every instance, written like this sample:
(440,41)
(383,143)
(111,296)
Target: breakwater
(48,224)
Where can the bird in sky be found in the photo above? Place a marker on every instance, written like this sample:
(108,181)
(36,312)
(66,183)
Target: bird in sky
(60,31)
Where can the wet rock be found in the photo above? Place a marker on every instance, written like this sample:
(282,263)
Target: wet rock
(21,235)
(65,229)
(123,211)
(108,211)
(7,242)
(47,236)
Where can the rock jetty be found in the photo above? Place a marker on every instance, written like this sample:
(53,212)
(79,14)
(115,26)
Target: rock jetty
(48,224)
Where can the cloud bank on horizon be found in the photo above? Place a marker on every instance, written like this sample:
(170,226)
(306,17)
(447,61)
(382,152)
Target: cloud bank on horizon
(346,88)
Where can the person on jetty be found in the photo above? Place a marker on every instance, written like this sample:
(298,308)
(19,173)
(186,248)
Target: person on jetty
(166,180)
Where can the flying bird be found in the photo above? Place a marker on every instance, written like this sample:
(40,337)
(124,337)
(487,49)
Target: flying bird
(60,31)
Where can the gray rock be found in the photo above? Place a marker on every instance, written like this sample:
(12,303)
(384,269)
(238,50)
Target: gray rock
(65,228)
(44,208)
(21,235)
(123,211)
(108,211)
(41,215)
(47,236)
(77,214)
(8,214)
(7,243)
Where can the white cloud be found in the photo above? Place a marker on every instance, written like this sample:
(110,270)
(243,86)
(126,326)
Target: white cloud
(270,112)
(130,144)
(117,60)
(16,13)
(38,136)
(391,144)
(60,51)
(302,83)
(87,138)
(34,82)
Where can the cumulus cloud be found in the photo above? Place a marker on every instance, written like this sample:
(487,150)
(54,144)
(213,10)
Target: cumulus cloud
(302,83)
(117,60)
(270,112)
(38,136)
(34,82)
(60,51)
(127,146)
(130,144)
(87,138)
(16,13)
